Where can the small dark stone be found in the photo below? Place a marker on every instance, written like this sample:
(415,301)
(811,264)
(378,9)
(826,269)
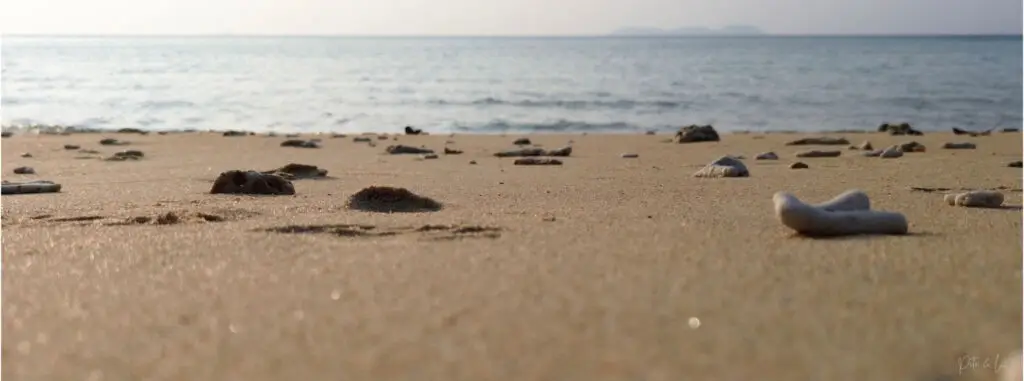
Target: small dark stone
(1015,164)
(798,165)
(251,182)
(71,147)
(24,170)
(298,143)
(402,149)
(695,134)
(452,151)
(537,161)
(390,200)
(112,142)
(522,142)
(412,131)
(231,133)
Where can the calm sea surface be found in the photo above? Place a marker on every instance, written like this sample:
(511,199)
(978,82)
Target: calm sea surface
(512,84)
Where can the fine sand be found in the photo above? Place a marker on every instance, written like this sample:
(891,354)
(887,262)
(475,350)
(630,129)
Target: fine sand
(592,271)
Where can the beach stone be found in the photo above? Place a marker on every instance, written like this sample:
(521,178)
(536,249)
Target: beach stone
(251,182)
(291,135)
(452,151)
(847,214)
(387,199)
(24,171)
(29,187)
(522,142)
(126,155)
(891,153)
(402,149)
(964,145)
(112,142)
(898,129)
(361,139)
(695,134)
(26,155)
(89,151)
(294,171)
(231,133)
(412,131)
(537,161)
(865,146)
(1015,164)
(298,143)
(71,147)
(827,141)
(958,131)
(6,134)
(975,199)
(798,165)
(130,130)
(536,151)
(912,146)
(384,137)
(1011,130)
(723,167)
(816,153)
(766,156)
(629,156)
(430,156)
(337,135)
(650,132)
(472,162)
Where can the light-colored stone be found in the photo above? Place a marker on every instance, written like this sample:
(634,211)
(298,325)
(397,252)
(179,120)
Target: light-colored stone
(846,215)
(723,167)
(891,153)
(975,199)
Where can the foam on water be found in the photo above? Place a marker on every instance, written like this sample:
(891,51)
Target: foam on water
(489,85)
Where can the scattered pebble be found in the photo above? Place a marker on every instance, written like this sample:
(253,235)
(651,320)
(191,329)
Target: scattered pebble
(6,134)
(430,156)
(26,155)
(71,147)
(24,171)
(403,149)
(847,214)
(965,145)
(472,162)
(630,156)
(537,161)
(975,199)
(798,165)
(391,199)
(958,131)
(337,135)
(815,153)
(251,182)
(1015,164)
(412,131)
(361,139)
(696,134)
(826,141)
(231,133)
(452,151)
(298,143)
(522,142)
(723,167)
(651,132)
(126,155)
(1011,130)
(535,151)
(766,156)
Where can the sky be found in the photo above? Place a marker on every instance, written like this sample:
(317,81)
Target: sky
(509,17)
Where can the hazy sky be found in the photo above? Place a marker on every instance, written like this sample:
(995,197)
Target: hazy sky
(510,17)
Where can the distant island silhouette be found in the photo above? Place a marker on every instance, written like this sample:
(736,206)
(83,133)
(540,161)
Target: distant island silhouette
(731,30)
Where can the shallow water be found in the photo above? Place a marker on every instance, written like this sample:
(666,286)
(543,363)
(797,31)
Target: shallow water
(512,84)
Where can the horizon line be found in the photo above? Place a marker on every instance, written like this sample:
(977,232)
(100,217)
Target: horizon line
(606,35)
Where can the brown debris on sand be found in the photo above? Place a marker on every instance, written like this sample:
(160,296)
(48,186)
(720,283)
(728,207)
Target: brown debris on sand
(130,130)
(294,171)
(232,133)
(126,155)
(522,142)
(71,147)
(964,145)
(452,151)
(696,134)
(798,165)
(386,199)
(820,141)
(113,142)
(537,161)
(24,171)
(251,182)
(6,134)
(1015,164)
(535,151)
(912,146)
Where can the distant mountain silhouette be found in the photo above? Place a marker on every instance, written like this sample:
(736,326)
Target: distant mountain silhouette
(732,30)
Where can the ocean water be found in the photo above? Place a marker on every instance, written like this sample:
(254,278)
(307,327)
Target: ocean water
(488,85)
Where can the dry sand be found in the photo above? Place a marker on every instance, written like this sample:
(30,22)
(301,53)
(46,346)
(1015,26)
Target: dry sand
(604,291)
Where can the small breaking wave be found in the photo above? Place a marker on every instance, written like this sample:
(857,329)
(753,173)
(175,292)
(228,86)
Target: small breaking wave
(623,104)
(560,125)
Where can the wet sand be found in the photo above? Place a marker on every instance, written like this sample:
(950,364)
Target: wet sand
(595,272)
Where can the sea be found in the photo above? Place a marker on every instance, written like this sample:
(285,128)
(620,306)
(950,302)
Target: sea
(511,84)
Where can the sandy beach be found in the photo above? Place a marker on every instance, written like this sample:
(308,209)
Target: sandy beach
(592,270)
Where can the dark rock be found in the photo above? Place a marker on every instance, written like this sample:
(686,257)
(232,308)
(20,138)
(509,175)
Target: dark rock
(230,133)
(132,131)
(112,142)
(6,134)
(535,151)
(815,153)
(299,143)
(71,147)
(695,134)
(909,147)
(391,200)
(522,142)
(798,165)
(430,156)
(825,141)
(26,155)
(402,149)
(1015,164)
(361,139)
(537,161)
(126,155)
(412,131)
(959,146)
(1011,130)
(295,171)
(958,131)
(767,156)
(24,171)
(452,151)
(251,182)
(898,129)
